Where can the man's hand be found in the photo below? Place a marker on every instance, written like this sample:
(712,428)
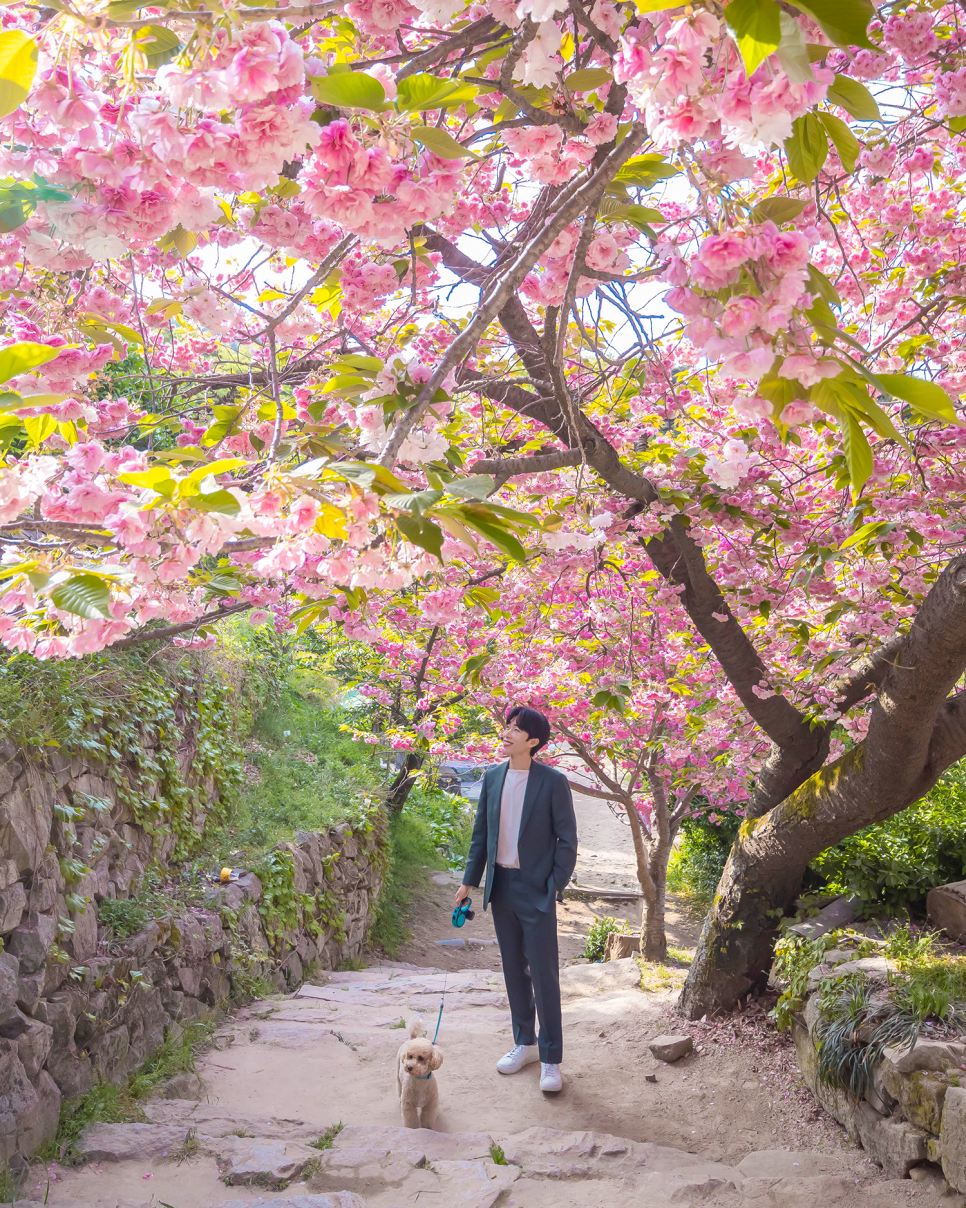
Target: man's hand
(462,893)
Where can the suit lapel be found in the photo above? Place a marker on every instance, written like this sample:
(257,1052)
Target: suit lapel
(534,781)
(493,802)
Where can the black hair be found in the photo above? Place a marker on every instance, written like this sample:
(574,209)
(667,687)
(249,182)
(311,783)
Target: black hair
(532,723)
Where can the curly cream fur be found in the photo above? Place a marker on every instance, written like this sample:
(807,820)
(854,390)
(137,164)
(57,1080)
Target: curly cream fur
(418,1094)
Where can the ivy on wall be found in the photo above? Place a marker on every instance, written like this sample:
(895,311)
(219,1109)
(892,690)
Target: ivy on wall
(133,713)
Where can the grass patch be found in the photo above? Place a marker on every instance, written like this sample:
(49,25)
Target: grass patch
(431,832)
(107,1103)
(696,865)
(328,1137)
(497,1156)
(122,916)
(670,974)
(311,774)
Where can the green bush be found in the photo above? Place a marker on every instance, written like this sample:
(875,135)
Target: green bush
(123,916)
(893,864)
(698,861)
(600,929)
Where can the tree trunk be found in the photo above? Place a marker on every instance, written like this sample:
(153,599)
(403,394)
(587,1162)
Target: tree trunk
(403,783)
(651,856)
(653,935)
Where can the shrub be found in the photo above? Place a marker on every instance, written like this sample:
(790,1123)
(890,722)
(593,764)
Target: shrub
(893,864)
(600,929)
(698,861)
(122,916)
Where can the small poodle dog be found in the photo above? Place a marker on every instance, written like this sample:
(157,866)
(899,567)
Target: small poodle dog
(418,1093)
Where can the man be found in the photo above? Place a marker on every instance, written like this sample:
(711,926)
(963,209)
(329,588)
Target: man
(525,834)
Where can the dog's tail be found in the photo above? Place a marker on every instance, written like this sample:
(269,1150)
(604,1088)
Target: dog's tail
(416,1028)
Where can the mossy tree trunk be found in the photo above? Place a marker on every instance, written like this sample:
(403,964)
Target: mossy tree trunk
(403,781)
(916,731)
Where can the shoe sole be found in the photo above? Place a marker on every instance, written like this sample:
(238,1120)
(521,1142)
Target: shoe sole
(533,1061)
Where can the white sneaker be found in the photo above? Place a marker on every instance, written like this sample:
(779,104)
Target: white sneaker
(519,1056)
(550,1079)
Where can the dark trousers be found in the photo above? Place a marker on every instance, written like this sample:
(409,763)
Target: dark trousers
(528,948)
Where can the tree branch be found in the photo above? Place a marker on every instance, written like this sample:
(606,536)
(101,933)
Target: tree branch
(577,202)
(173,631)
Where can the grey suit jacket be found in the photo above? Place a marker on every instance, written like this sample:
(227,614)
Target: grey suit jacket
(548,833)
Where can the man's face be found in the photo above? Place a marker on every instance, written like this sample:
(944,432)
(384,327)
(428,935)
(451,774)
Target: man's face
(517,741)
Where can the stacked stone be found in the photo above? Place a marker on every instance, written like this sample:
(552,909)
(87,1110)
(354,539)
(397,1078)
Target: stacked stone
(75,1008)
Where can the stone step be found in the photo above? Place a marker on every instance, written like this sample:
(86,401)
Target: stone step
(385,1165)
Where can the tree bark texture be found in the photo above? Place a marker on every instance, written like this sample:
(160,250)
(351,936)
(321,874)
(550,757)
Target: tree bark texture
(916,731)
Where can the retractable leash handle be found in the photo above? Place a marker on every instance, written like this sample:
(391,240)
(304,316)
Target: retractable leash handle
(463,912)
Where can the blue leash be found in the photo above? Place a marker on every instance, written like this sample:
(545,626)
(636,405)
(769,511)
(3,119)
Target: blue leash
(441,1001)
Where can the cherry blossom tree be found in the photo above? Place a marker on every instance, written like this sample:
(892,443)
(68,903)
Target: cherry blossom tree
(382,274)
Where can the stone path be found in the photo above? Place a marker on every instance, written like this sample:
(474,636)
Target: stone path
(287,1070)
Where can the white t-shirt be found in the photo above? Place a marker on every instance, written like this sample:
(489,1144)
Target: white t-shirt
(511,811)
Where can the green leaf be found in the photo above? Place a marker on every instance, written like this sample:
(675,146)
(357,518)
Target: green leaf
(348,90)
(84,596)
(846,144)
(124,10)
(417,502)
(644,171)
(157,479)
(806,147)
(417,93)
(858,454)
(355,471)
(792,52)
(363,364)
(18,66)
(218,500)
(845,21)
(779,391)
(778,209)
(643,216)
(440,143)
(39,427)
(925,397)
(22,358)
(587,79)
(482,520)
(868,534)
(757,29)
(475,486)
(226,424)
(471,668)
(157,43)
(422,532)
(854,98)
(820,287)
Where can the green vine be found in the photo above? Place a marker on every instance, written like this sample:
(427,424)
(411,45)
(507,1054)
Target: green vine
(131,714)
(282,908)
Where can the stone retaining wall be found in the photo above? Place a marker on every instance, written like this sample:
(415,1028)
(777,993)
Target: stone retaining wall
(915,1110)
(77,1008)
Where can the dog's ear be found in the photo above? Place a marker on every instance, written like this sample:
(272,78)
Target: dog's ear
(436,1060)
(416,1028)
